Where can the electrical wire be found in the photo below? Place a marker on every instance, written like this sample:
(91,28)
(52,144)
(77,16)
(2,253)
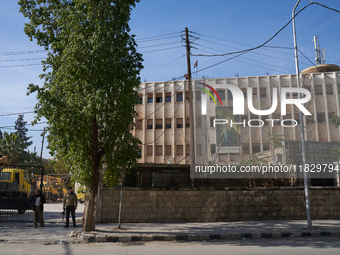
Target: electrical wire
(271,38)
(164,65)
(156,45)
(156,36)
(171,48)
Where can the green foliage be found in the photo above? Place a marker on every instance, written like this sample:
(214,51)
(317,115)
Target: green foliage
(90,79)
(21,131)
(13,147)
(335,120)
(276,140)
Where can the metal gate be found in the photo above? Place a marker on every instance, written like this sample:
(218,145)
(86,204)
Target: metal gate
(17,185)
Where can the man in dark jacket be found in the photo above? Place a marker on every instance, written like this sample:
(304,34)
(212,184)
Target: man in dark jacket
(37,202)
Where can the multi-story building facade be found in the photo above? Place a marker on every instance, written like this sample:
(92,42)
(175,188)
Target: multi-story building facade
(163,122)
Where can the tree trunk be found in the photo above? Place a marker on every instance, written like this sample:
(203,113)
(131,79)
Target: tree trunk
(90,203)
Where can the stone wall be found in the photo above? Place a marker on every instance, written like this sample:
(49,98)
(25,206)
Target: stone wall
(232,204)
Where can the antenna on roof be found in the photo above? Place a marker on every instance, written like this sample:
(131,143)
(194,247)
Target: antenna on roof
(319,55)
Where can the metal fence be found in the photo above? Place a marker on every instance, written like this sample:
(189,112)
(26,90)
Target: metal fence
(175,177)
(17,185)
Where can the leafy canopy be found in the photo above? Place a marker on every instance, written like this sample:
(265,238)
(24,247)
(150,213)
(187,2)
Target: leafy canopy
(90,80)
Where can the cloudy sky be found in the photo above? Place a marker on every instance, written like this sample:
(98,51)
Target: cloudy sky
(218,26)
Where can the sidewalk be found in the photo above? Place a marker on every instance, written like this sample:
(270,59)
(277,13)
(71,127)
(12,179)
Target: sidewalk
(54,232)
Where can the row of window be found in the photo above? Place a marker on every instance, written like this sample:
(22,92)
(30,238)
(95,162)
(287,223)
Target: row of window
(168,150)
(242,119)
(159,123)
(320,117)
(179,149)
(263,94)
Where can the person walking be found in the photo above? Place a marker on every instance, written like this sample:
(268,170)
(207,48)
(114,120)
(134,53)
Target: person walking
(70,206)
(37,202)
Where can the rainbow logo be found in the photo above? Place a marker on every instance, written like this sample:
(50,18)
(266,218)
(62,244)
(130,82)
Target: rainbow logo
(208,92)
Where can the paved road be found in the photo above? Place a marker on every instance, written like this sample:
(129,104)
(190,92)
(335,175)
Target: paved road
(303,246)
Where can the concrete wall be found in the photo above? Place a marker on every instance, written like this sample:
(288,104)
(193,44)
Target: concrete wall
(231,204)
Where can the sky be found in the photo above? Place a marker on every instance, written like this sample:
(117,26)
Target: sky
(216,27)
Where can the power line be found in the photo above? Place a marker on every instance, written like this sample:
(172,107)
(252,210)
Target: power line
(24,59)
(163,65)
(156,45)
(20,65)
(22,52)
(156,36)
(17,113)
(271,38)
(156,39)
(161,49)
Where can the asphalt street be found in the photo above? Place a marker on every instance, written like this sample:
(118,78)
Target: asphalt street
(303,246)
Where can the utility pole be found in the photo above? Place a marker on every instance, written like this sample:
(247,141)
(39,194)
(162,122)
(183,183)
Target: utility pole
(42,144)
(302,130)
(192,126)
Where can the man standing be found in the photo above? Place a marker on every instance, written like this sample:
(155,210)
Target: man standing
(70,204)
(37,202)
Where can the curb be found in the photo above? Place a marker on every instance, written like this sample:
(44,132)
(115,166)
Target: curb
(96,237)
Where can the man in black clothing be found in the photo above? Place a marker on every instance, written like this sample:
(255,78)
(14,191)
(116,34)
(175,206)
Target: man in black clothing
(37,202)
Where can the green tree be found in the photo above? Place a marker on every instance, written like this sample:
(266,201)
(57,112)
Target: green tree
(91,76)
(335,120)
(13,147)
(21,130)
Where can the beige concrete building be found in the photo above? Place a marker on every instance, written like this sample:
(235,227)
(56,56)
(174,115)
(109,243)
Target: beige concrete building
(163,124)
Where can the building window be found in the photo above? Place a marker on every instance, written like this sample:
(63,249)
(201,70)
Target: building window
(187,96)
(256,148)
(187,123)
(139,152)
(179,97)
(159,150)
(198,122)
(321,118)
(245,148)
(149,150)
(167,123)
(221,93)
(139,124)
(318,90)
(310,119)
(179,150)
(140,99)
(213,149)
(167,150)
(149,124)
(212,93)
(159,124)
(179,122)
(187,149)
(244,91)
(263,93)
(159,98)
(297,118)
(254,93)
(212,121)
(150,98)
(329,90)
(198,95)
(168,97)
